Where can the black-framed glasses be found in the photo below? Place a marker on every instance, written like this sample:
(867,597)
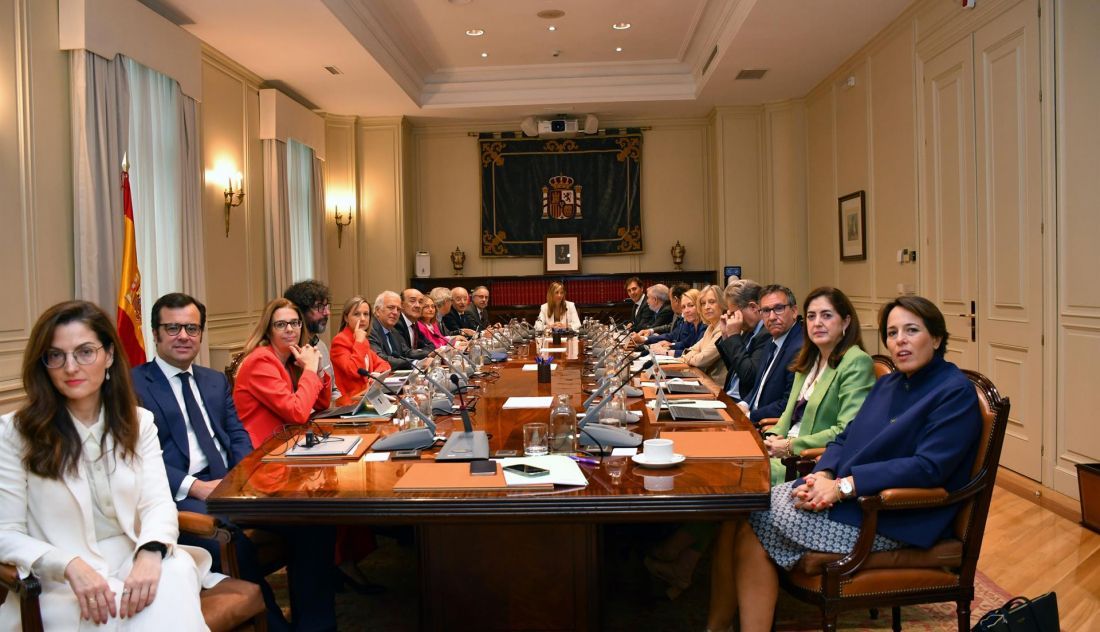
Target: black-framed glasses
(281,325)
(82,355)
(320,307)
(174,329)
(778,310)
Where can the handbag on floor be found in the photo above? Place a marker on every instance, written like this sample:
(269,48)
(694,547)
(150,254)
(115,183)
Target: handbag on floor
(1021,614)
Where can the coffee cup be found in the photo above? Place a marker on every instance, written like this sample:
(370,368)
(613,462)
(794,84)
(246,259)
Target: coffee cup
(658,450)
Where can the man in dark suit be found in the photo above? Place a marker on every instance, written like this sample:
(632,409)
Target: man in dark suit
(742,346)
(779,312)
(411,300)
(642,316)
(479,307)
(384,338)
(656,298)
(459,319)
(202,439)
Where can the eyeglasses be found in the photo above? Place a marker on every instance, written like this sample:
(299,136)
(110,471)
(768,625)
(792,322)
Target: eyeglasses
(778,310)
(320,307)
(83,355)
(174,329)
(281,325)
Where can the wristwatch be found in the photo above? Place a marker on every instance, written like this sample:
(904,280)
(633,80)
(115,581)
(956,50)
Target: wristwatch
(847,489)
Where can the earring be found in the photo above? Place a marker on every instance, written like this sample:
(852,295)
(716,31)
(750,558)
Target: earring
(108,376)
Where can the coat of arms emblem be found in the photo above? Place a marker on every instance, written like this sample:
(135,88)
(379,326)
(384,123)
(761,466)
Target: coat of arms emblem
(561,200)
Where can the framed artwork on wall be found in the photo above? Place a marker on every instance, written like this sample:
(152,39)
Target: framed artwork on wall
(562,253)
(852,209)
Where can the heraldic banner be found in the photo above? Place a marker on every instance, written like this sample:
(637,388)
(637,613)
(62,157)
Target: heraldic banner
(587,186)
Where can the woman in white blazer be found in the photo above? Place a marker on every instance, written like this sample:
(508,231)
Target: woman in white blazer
(556,312)
(84,500)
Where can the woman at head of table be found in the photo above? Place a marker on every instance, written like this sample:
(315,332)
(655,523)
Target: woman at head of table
(704,353)
(84,500)
(280,381)
(918,427)
(351,351)
(688,332)
(832,376)
(556,312)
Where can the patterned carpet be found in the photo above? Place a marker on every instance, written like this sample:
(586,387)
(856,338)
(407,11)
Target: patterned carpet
(634,602)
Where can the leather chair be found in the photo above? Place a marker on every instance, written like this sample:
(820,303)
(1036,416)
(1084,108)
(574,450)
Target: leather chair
(945,572)
(232,605)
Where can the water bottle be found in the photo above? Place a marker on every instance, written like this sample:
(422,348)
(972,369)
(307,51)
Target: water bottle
(563,427)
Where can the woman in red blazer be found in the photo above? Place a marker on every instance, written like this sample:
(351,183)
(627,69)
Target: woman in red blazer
(351,351)
(280,381)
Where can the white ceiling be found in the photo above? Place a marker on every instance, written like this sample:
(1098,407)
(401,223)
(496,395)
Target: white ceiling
(413,58)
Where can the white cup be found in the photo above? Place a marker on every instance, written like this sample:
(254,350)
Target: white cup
(658,450)
(658,483)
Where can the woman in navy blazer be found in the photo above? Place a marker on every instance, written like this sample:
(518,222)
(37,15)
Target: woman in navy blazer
(917,428)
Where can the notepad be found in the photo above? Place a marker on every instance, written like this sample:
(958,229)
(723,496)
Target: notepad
(334,445)
(528,402)
(428,477)
(535,367)
(563,471)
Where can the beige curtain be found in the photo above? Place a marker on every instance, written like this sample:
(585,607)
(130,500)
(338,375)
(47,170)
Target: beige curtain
(193,273)
(99,121)
(317,216)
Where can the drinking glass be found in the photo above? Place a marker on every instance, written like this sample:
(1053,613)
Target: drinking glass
(615,466)
(536,439)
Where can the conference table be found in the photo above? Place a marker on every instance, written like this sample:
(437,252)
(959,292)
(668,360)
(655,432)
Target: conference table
(510,559)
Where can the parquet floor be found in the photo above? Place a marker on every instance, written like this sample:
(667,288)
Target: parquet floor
(1035,544)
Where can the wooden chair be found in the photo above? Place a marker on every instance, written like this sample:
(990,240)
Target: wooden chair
(233,605)
(231,368)
(945,572)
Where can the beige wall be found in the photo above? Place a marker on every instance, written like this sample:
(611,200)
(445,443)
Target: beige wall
(36,244)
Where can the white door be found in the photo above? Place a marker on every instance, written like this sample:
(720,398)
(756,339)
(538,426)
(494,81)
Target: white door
(1009,222)
(950,260)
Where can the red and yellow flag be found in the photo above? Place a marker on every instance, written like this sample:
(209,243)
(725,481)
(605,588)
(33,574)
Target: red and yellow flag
(129,287)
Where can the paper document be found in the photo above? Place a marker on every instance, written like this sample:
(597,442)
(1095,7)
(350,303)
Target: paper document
(563,471)
(624,451)
(335,445)
(528,402)
(535,367)
(696,403)
(376,456)
(553,349)
(675,380)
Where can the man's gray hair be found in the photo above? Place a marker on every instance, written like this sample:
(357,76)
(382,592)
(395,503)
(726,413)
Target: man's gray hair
(382,297)
(742,292)
(659,291)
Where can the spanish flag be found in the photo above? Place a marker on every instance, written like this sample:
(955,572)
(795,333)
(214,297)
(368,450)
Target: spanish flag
(129,287)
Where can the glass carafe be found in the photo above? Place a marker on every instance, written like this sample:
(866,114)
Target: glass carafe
(563,427)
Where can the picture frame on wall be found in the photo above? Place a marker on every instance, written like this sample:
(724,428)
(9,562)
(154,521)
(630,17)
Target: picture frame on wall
(562,253)
(852,209)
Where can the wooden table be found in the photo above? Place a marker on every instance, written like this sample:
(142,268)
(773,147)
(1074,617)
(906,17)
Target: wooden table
(512,559)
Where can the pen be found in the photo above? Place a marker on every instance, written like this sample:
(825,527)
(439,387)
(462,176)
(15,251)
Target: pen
(584,459)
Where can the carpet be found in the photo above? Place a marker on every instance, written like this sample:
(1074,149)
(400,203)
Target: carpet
(633,600)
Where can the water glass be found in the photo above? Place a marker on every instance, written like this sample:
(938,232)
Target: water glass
(536,439)
(615,466)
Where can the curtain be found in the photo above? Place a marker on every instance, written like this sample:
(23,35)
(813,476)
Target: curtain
(156,183)
(99,129)
(277,213)
(299,169)
(317,215)
(192,268)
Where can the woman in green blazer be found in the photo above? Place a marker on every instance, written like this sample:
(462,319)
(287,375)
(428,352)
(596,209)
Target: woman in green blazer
(832,378)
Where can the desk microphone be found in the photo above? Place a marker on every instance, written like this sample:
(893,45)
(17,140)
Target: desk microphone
(410,438)
(607,382)
(603,435)
(468,445)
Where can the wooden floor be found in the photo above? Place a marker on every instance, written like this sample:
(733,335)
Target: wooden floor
(1035,543)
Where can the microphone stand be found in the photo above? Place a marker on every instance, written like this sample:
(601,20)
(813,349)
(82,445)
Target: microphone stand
(602,435)
(468,445)
(410,438)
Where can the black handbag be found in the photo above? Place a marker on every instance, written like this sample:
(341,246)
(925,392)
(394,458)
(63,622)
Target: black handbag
(1021,614)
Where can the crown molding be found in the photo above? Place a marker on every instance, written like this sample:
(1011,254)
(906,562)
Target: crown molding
(221,61)
(377,34)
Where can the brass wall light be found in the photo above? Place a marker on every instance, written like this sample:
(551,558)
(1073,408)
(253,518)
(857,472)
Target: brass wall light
(234,195)
(341,223)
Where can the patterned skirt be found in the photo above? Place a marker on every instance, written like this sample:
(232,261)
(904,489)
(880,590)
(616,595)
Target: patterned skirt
(787,533)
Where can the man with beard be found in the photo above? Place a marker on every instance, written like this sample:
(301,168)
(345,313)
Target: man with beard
(313,299)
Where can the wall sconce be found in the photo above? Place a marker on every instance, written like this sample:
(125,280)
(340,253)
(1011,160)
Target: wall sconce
(234,195)
(341,223)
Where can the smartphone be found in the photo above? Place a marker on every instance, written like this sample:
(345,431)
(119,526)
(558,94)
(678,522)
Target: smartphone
(523,469)
(483,468)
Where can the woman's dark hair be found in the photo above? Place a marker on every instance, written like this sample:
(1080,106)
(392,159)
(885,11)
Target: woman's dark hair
(808,354)
(924,309)
(52,443)
(260,333)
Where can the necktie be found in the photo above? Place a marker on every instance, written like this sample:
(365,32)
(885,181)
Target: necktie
(206,442)
(754,396)
(388,344)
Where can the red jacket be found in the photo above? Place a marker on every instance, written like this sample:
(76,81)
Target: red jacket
(266,399)
(347,359)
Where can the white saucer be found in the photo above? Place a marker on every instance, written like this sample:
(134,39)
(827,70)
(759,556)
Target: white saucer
(641,459)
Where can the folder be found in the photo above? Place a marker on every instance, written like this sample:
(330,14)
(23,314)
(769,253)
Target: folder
(722,444)
(430,477)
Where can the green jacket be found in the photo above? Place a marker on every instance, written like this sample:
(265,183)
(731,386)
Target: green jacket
(835,401)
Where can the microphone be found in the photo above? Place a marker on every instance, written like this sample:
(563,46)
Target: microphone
(606,383)
(463,411)
(410,438)
(469,445)
(591,433)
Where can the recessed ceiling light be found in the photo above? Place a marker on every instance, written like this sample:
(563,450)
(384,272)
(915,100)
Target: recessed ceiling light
(618,49)
(483,55)
(621,26)
(551,28)
(475,32)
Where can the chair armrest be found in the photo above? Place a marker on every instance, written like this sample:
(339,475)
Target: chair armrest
(909,498)
(812,454)
(767,422)
(198,524)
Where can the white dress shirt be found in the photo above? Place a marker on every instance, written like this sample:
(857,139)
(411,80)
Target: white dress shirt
(197,459)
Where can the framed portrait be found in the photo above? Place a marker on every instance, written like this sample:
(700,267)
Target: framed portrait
(562,253)
(853,226)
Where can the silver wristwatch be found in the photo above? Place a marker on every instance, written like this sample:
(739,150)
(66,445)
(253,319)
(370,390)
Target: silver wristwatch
(847,489)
